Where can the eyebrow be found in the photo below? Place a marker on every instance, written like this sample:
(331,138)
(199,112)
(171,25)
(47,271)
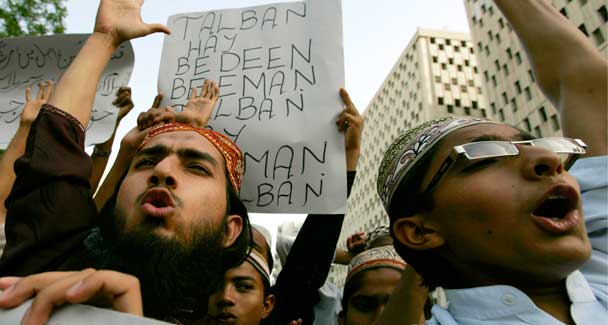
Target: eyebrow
(243,278)
(160,150)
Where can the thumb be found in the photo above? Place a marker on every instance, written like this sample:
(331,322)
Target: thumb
(158,28)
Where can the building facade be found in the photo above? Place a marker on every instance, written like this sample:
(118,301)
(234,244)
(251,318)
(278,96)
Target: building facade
(512,92)
(436,75)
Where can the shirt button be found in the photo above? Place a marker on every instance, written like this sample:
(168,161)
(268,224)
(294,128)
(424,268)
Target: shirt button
(508,299)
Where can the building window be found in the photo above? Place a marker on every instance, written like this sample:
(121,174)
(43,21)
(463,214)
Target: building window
(466,63)
(459,68)
(509,54)
(487,50)
(474,69)
(490,36)
(497,38)
(448,42)
(493,106)
(432,40)
(528,93)
(475,105)
(555,122)
(483,113)
(446,86)
(517,87)
(583,29)
(598,36)
(564,12)
(437,78)
(485,74)
(505,69)
(527,124)
(542,113)
(456,49)
(454,81)
(531,75)
(451,61)
(538,132)
(494,81)
(582,2)
(501,23)
(471,83)
(463,88)
(457,102)
(467,111)
(497,65)
(450,109)
(517,57)
(603,13)
(505,99)
(441,47)
(514,104)
(440,100)
(444,66)
(434,59)
(501,115)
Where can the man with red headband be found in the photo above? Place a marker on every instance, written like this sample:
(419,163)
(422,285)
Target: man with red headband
(174,221)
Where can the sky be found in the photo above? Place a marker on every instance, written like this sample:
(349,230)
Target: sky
(375,33)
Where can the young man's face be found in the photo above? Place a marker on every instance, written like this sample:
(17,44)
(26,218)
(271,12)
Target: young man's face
(496,217)
(241,299)
(176,184)
(366,304)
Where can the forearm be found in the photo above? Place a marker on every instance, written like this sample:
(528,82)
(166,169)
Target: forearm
(75,92)
(553,44)
(15,149)
(406,304)
(110,183)
(100,160)
(343,257)
(570,71)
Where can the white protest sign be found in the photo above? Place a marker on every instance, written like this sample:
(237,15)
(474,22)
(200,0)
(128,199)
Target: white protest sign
(279,68)
(27,61)
(77,315)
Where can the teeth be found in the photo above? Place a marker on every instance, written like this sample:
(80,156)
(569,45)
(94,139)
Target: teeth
(556,197)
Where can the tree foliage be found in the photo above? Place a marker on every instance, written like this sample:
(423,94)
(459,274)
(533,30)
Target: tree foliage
(31,17)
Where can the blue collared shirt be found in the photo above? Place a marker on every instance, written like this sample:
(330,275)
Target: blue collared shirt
(587,288)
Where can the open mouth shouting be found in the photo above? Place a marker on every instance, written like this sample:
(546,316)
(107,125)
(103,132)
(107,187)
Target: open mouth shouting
(158,203)
(557,211)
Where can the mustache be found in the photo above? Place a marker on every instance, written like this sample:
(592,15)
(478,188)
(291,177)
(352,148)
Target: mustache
(178,201)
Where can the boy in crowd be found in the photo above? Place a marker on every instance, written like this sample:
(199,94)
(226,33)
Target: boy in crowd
(490,215)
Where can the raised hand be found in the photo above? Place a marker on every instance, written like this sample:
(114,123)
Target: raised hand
(109,289)
(355,243)
(124,102)
(199,108)
(31,108)
(351,123)
(121,20)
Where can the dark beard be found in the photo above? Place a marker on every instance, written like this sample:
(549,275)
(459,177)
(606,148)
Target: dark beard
(176,280)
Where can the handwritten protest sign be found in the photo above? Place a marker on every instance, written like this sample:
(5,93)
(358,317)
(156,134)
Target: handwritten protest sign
(279,68)
(27,61)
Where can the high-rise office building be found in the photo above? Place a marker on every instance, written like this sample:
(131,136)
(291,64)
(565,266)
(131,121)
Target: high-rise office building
(512,92)
(436,75)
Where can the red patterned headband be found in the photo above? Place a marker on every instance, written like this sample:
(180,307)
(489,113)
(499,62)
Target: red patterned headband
(229,150)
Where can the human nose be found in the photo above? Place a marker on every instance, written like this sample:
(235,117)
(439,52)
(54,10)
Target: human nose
(226,297)
(163,174)
(540,162)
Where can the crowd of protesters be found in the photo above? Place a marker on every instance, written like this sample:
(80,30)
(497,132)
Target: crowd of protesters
(488,224)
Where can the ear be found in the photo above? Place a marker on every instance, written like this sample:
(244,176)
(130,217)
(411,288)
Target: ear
(341,317)
(234,227)
(269,302)
(416,232)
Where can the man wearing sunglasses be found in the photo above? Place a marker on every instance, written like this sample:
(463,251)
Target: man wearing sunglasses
(492,215)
